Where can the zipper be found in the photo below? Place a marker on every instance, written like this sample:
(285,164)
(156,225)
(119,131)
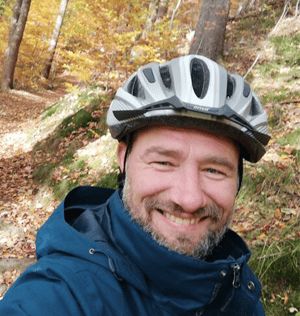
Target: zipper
(236,275)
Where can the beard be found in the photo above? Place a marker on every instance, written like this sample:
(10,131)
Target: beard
(183,245)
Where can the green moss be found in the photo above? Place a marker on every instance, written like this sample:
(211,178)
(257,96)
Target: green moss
(56,107)
(110,180)
(42,173)
(74,122)
(63,187)
(79,163)
(96,164)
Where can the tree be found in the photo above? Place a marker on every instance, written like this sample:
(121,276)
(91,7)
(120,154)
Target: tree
(157,10)
(210,30)
(55,35)
(16,31)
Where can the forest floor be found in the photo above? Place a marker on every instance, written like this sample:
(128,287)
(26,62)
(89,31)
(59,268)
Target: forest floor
(18,111)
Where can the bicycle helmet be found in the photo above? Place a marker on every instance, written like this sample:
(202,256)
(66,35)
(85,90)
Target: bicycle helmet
(191,91)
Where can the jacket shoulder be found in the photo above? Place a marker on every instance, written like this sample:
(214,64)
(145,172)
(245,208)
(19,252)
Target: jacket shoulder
(53,285)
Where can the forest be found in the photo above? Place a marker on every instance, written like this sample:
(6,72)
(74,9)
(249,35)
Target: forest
(72,57)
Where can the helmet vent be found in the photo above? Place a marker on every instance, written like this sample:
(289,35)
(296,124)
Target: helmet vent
(135,88)
(254,109)
(230,86)
(247,90)
(166,76)
(200,77)
(149,75)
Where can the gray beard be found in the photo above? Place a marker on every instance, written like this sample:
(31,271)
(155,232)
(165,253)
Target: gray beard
(202,249)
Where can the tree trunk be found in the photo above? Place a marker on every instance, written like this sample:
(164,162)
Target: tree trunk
(55,35)
(16,31)
(157,10)
(162,10)
(210,30)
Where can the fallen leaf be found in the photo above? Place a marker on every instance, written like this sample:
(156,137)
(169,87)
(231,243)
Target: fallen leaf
(286,299)
(278,213)
(262,236)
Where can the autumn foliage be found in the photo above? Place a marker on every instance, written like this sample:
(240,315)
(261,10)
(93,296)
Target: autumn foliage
(100,41)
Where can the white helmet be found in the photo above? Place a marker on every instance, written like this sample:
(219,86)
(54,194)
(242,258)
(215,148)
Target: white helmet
(191,91)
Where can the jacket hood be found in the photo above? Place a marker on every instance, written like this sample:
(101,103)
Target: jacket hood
(92,222)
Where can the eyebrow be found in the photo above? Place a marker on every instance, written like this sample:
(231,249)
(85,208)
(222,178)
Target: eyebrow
(163,151)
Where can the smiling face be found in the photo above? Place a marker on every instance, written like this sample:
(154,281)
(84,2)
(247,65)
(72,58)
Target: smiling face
(181,186)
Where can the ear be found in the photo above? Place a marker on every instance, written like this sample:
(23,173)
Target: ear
(121,151)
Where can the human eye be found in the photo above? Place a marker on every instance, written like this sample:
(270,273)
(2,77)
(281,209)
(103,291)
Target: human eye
(215,173)
(163,163)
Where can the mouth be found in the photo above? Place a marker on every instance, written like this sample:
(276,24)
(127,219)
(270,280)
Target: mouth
(182,221)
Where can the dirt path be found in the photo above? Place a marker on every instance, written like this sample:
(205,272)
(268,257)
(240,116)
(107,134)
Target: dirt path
(20,213)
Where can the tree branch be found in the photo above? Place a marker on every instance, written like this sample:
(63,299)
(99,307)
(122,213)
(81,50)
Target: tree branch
(282,16)
(173,15)
(297,5)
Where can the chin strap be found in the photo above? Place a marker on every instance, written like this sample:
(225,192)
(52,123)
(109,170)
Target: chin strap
(240,174)
(121,175)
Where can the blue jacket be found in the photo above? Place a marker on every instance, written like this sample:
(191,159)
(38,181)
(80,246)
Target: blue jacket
(93,260)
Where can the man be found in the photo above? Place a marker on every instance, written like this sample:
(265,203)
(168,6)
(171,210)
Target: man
(162,244)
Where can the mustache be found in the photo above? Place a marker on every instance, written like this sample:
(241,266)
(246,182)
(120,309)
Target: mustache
(213,210)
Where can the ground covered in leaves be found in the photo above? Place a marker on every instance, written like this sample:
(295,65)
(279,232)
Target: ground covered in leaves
(51,141)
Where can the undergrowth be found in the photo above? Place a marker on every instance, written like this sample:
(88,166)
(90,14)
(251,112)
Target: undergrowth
(278,268)
(55,163)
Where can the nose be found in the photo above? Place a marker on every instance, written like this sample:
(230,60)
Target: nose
(188,191)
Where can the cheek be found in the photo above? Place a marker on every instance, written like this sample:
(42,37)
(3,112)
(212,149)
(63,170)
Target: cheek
(148,182)
(223,194)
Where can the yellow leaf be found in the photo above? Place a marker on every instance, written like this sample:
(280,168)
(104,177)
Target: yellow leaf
(284,156)
(278,213)
(286,299)
(262,236)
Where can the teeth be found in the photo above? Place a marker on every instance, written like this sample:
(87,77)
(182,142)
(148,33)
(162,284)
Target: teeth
(182,221)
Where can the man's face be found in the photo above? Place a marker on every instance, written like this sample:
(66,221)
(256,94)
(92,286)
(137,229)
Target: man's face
(181,186)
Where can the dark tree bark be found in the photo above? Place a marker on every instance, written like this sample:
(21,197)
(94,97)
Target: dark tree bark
(55,35)
(16,31)
(210,31)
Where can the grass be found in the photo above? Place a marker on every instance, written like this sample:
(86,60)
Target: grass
(278,268)
(266,181)
(292,139)
(287,49)
(272,196)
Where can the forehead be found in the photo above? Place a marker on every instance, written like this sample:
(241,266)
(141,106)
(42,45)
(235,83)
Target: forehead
(181,139)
